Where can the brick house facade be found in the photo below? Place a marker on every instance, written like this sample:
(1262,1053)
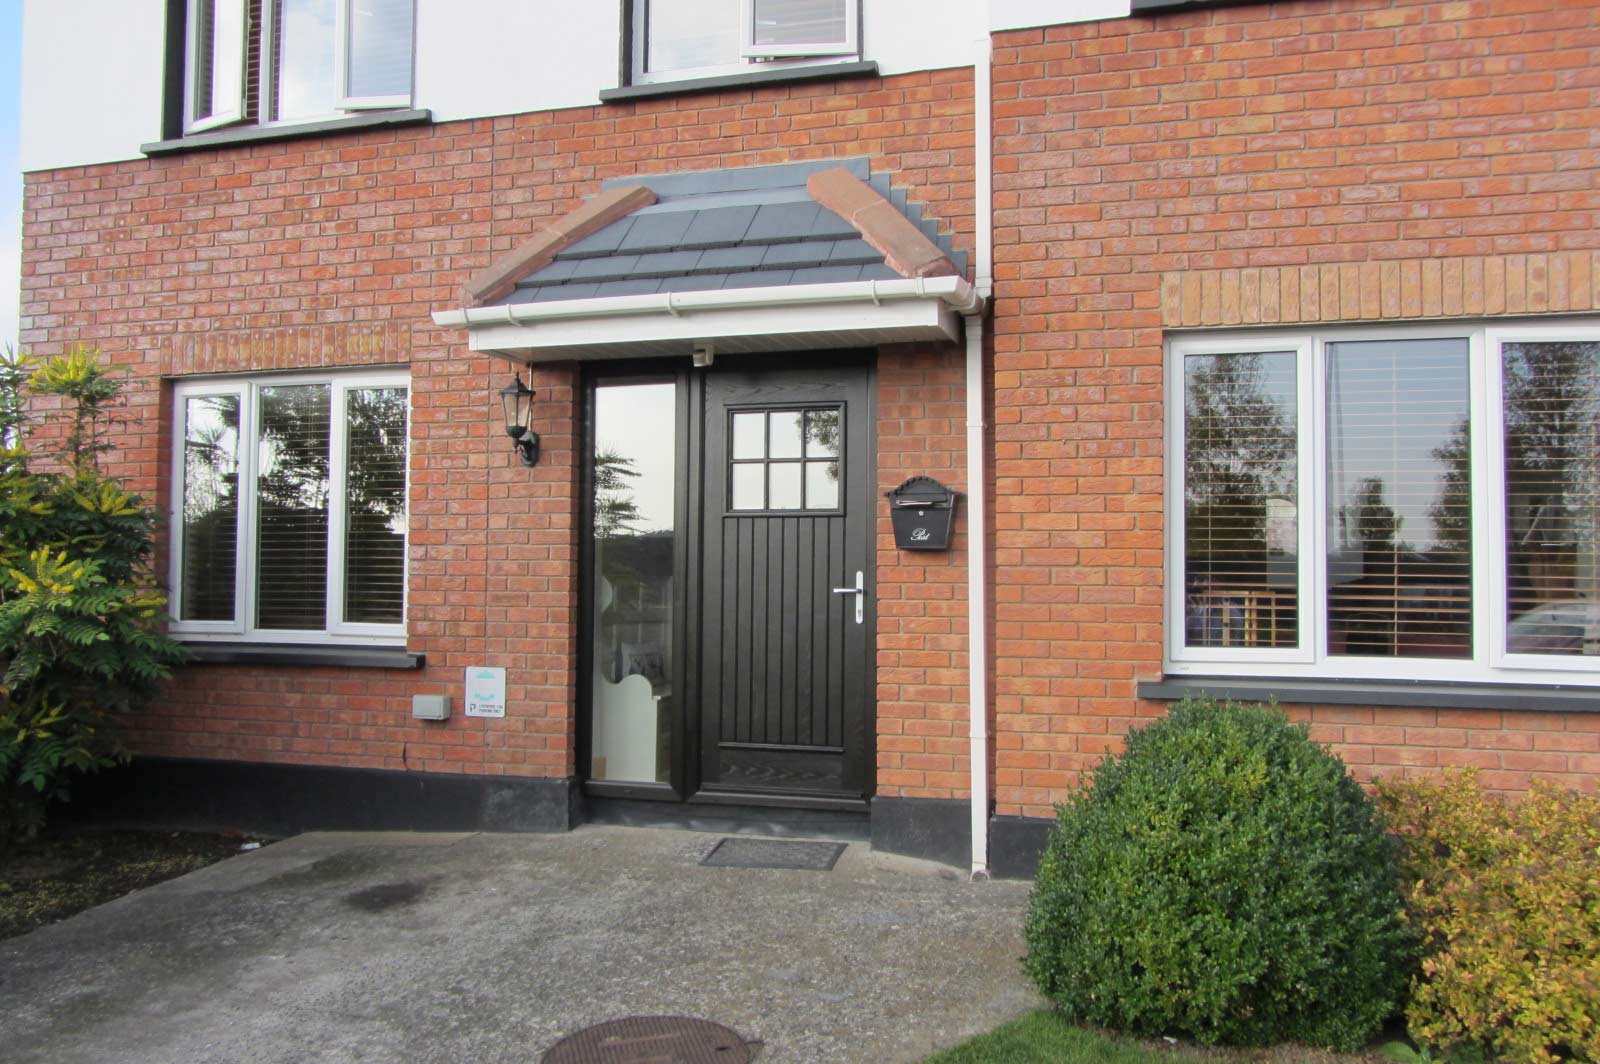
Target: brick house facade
(1304,166)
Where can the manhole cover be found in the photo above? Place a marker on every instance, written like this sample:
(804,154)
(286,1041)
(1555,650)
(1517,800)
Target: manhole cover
(734,852)
(652,1040)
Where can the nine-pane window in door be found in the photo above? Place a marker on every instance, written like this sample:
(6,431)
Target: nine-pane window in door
(676,39)
(289,500)
(1408,503)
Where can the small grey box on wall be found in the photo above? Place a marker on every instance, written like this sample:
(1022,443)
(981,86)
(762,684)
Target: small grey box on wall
(430,707)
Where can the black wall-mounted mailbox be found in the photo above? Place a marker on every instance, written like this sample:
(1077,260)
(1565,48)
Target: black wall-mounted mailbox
(921,510)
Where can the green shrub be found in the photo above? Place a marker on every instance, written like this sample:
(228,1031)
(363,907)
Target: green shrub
(81,639)
(1224,879)
(1506,898)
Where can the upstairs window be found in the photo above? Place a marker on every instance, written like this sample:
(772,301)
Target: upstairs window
(273,61)
(1418,503)
(678,39)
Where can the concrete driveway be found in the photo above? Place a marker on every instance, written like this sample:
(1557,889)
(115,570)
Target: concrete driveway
(476,948)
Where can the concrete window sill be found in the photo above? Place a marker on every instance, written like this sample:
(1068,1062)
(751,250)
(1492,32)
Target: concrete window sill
(1420,694)
(356,657)
(784,75)
(235,136)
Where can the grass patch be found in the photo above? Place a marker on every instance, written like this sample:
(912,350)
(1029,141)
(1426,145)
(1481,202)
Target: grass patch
(1043,1037)
(65,872)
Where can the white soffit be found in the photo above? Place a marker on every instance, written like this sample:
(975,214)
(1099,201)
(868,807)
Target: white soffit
(794,318)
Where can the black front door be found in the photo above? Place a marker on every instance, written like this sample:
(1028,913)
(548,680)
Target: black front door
(785,607)
(729,583)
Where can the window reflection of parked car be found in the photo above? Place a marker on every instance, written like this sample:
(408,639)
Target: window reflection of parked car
(1558,628)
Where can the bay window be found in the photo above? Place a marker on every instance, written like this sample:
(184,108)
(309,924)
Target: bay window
(295,60)
(1410,503)
(675,39)
(289,509)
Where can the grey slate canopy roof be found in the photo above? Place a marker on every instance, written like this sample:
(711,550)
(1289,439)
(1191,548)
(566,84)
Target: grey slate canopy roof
(750,227)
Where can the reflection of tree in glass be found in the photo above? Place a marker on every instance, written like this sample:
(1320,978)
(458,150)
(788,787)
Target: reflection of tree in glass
(294,447)
(1370,522)
(1239,451)
(210,507)
(1552,410)
(1451,511)
(615,512)
(375,505)
(292,520)
(822,437)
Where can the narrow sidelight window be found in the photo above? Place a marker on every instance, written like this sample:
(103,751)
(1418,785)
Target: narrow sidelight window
(1552,497)
(1241,500)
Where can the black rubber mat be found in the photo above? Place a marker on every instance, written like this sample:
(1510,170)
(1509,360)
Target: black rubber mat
(737,852)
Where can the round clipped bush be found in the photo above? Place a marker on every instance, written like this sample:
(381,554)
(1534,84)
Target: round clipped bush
(1223,879)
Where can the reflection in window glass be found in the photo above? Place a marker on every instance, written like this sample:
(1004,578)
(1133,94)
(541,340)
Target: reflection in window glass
(1241,526)
(749,435)
(780,22)
(634,530)
(783,486)
(783,429)
(302,58)
(378,52)
(1552,441)
(822,485)
(292,507)
(375,506)
(766,473)
(219,57)
(210,507)
(683,34)
(1399,499)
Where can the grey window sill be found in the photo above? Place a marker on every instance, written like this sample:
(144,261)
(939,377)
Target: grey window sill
(377,657)
(1420,694)
(245,134)
(865,68)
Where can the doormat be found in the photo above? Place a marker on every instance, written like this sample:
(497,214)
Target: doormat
(737,852)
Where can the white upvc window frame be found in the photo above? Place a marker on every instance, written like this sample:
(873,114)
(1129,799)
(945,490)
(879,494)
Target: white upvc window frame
(341,65)
(236,92)
(343,101)
(753,57)
(1490,663)
(241,628)
(1305,534)
(751,50)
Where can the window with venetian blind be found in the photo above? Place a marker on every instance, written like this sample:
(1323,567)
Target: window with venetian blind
(675,39)
(1411,503)
(289,509)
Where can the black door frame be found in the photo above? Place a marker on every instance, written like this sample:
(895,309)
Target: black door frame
(683,784)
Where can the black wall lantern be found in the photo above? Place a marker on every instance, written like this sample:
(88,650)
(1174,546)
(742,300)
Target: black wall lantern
(517,398)
(921,510)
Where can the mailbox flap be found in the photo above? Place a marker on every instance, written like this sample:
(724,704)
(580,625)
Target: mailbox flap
(923,493)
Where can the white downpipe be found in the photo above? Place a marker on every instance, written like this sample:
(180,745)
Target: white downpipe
(977,485)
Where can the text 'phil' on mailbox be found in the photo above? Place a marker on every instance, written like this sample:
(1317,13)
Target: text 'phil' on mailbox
(921,511)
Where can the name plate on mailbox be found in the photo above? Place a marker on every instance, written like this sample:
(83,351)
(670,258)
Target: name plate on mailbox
(921,511)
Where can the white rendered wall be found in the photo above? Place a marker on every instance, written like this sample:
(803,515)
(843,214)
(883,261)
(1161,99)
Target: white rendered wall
(1021,14)
(92,69)
(91,80)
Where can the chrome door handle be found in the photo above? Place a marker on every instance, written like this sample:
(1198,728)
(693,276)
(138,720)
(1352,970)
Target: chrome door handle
(860,592)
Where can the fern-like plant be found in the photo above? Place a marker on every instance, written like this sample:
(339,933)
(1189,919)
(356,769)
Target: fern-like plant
(81,635)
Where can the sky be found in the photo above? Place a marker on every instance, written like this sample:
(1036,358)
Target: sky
(10,177)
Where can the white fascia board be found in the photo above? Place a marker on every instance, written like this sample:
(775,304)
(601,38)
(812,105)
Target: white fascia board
(740,320)
(734,330)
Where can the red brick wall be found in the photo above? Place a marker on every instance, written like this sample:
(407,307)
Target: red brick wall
(299,253)
(922,595)
(1283,134)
